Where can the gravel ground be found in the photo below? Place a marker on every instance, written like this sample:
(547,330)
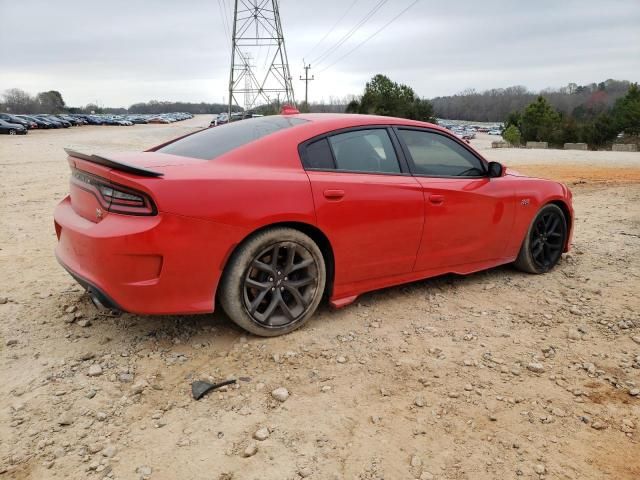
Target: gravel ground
(498,375)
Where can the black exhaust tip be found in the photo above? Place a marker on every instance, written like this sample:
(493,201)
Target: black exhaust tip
(101,300)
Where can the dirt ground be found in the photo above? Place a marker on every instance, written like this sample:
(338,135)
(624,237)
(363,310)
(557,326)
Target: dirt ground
(498,375)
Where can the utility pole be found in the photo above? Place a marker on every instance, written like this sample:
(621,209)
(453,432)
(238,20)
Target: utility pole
(306,81)
(256,24)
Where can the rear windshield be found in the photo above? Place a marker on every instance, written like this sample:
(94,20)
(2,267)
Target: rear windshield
(213,142)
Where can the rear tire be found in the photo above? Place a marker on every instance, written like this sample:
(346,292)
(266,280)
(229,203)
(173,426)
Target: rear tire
(273,282)
(12,132)
(545,241)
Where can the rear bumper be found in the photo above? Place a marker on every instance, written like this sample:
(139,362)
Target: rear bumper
(162,264)
(92,290)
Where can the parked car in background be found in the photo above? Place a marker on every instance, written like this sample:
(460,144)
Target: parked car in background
(158,120)
(12,128)
(55,121)
(65,123)
(68,118)
(137,119)
(39,122)
(221,119)
(31,124)
(15,120)
(93,120)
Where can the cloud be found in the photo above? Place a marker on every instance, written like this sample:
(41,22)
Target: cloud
(120,52)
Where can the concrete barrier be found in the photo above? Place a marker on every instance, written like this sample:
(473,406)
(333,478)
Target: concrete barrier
(500,144)
(575,146)
(624,147)
(537,145)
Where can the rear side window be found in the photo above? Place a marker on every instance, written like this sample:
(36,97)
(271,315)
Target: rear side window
(365,151)
(438,155)
(318,155)
(213,142)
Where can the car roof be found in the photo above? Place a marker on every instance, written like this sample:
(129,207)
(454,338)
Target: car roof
(315,124)
(333,121)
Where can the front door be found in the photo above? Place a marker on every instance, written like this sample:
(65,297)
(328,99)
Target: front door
(468,215)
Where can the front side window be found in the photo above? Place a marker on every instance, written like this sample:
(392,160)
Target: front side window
(213,142)
(437,155)
(364,151)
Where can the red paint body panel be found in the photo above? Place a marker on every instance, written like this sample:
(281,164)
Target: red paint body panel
(375,228)
(383,229)
(469,223)
(162,264)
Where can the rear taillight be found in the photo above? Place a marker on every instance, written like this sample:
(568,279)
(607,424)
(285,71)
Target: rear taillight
(113,197)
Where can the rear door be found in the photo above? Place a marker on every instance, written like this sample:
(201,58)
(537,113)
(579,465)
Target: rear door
(468,216)
(366,201)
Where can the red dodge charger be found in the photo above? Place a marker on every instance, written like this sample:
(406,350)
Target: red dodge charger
(270,214)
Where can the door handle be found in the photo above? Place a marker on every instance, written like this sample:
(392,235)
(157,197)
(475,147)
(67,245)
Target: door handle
(436,199)
(334,194)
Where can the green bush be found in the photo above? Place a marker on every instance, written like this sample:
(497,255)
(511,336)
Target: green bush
(540,122)
(626,112)
(512,135)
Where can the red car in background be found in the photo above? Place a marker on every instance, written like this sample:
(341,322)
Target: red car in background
(270,214)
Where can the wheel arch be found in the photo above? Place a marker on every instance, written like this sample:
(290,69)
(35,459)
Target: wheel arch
(313,232)
(569,217)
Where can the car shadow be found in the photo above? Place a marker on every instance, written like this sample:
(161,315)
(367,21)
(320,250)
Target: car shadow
(217,327)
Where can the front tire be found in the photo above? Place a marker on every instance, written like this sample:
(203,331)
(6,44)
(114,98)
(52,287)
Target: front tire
(12,132)
(545,241)
(273,282)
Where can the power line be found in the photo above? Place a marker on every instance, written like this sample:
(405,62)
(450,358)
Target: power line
(370,37)
(350,33)
(330,31)
(225,27)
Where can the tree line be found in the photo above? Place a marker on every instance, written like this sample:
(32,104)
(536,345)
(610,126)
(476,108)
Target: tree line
(496,104)
(595,124)
(17,101)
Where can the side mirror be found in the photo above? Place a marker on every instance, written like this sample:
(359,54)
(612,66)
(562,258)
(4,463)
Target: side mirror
(495,169)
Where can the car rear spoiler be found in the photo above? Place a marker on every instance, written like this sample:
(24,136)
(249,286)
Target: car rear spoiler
(115,164)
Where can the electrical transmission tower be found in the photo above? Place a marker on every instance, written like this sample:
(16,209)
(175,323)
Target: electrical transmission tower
(256,25)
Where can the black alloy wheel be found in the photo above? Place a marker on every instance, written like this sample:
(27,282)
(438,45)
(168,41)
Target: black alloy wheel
(280,283)
(273,282)
(545,241)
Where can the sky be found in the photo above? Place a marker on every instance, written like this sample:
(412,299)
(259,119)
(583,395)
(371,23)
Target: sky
(118,52)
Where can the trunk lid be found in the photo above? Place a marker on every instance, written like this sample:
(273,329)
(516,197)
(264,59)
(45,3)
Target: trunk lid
(130,172)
